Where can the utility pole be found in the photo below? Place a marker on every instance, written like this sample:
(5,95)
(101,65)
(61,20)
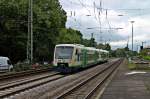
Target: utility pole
(92,35)
(92,39)
(30,33)
(31,18)
(28,39)
(100,23)
(132,33)
(128,42)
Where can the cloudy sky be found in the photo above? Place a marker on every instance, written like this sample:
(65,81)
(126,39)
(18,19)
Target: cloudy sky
(109,20)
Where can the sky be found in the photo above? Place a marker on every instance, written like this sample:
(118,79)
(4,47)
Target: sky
(110,20)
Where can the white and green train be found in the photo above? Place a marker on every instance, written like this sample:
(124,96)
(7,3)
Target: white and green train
(71,57)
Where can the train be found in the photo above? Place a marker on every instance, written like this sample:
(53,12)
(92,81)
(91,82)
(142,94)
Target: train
(73,57)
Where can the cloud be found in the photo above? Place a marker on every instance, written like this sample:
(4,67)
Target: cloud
(137,10)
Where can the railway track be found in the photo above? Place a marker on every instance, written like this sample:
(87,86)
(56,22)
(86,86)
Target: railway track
(64,89)
(17,87)
(86,88)
(83,85)
(2,72)
(92,94)
(27,80)
(5,76)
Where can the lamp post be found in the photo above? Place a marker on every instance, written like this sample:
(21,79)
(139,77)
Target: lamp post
(132,33)
(132,29)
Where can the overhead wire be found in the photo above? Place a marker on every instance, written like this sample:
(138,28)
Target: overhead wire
(109,25)
(83,5)
(99,11)
(72,14)
(94,6)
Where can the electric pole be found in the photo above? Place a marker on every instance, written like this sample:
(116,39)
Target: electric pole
(92,39)
(30,33)
(31,18)
(128,43)
(132,33)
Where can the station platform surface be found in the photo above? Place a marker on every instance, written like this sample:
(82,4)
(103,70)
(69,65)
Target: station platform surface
(127,85)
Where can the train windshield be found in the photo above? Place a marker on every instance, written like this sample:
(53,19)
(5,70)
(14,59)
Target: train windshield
(63,52)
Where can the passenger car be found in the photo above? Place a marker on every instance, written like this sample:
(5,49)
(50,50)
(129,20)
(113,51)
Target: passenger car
(70,57)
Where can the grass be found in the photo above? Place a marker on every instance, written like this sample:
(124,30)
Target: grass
(133,66)
(146,57)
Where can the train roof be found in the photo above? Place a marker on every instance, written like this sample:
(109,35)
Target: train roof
(82,46)
(73,45)
(104,51)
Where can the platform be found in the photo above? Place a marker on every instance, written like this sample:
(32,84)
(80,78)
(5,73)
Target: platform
(127,84)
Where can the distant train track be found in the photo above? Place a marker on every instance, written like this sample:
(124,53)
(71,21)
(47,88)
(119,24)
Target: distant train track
(4,76)
(29,83)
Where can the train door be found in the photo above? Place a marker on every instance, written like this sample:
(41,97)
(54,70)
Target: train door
(78,57)
(84,57)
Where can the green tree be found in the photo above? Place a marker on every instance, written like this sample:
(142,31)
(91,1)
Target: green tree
(86,42)
(107,47)
(100,46)
(13,29)
(89,43)
(104,46)
(69,36)
(48,19)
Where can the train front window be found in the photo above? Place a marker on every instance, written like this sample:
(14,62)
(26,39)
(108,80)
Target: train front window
(63,52)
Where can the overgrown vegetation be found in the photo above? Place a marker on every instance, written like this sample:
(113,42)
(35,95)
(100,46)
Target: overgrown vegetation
(146,57)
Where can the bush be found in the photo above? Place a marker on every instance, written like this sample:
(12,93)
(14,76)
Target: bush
(22,67)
